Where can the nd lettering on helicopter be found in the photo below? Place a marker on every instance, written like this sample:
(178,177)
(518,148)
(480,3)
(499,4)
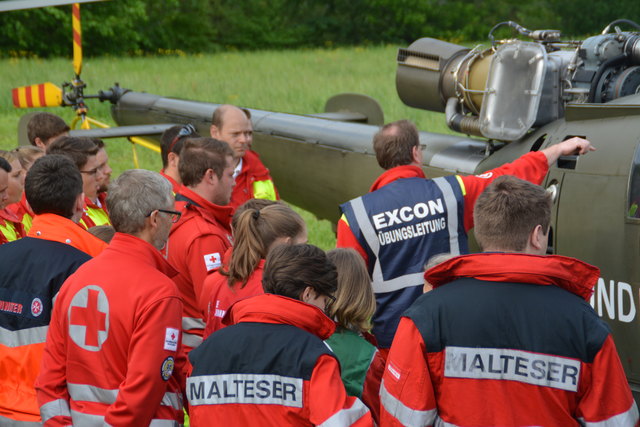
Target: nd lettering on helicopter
(504,100)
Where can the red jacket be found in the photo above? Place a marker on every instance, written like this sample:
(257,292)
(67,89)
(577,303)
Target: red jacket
(531,167)
(253,170)
(523,347)
(113,352)
(218,296)
(196,246)
(275,370)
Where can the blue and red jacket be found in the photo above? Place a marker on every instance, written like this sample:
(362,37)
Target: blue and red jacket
(32,271)
(275,370)
(400,227)
(509,340)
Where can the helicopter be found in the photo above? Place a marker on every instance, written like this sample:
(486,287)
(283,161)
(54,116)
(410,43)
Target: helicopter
(517,95)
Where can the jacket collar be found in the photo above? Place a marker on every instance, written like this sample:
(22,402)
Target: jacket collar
(276,309)
(251,164)
(399,172)
(60,229)
(570,274)
(210,211)
(141,251)
(8,215)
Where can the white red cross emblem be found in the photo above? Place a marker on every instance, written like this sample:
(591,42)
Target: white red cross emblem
(89,318)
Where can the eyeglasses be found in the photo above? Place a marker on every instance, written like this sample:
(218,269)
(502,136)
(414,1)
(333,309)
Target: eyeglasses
(186,130)
(175,215)
(332,299)
(92,171)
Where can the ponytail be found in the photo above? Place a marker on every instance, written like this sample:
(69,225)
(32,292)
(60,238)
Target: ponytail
(254,233)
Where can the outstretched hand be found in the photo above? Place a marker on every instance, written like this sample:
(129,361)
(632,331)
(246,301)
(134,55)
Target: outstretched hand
(568,147)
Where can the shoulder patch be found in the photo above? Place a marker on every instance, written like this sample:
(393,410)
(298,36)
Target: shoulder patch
(167,368)
(212,261)
(485,175)
(36,307)
(171,339)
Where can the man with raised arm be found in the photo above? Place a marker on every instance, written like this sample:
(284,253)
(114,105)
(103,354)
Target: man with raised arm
(407,219)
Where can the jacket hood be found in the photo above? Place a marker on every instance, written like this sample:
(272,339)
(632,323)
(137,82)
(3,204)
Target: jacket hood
(399,172)
(276,309)
(571,274)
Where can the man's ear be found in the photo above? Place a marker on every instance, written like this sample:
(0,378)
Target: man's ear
(173,159)
(40,143)
(214,131)
(78,208)
(416,154)
(537,240)
(305,296)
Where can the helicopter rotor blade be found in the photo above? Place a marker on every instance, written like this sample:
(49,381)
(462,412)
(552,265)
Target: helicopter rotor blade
(8,5)
(123,131)
(77,39)
(38,95)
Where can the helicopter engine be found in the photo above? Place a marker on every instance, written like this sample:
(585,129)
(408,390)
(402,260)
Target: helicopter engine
(504,91)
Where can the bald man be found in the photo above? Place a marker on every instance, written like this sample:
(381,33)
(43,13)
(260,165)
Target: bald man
(233,126)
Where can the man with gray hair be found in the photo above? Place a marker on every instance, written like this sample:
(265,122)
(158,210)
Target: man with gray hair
(113,353)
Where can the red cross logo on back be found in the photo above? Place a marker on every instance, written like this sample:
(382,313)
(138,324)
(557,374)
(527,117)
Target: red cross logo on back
(89,318)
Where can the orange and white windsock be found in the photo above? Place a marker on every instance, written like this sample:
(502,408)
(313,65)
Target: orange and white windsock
(77,38)
(40,95)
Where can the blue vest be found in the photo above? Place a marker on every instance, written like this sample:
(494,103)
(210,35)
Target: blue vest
(401,226)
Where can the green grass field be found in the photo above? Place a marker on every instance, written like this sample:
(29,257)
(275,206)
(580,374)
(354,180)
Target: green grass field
(289,81)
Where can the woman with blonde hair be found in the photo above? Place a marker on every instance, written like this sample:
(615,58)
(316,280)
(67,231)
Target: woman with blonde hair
(362,365)
(255,233)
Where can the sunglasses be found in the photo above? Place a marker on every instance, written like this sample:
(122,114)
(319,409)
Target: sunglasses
(186,130)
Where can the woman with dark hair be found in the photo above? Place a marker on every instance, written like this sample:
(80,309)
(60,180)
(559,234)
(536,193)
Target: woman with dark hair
(274,368)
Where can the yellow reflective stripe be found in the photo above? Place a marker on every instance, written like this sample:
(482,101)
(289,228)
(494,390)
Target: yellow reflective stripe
(344,218)
(462,187)
(264,190)
(26,222)
(98,216)
(9,231)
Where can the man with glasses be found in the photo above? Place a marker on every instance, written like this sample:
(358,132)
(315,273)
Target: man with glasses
(233,126)
(407,219)
(113,354)
(97,210)
(84,153)
(200,239)
(170,145)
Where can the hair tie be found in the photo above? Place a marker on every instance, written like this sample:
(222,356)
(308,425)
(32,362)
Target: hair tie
(256,214)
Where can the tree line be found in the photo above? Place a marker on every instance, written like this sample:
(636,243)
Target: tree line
(121,27)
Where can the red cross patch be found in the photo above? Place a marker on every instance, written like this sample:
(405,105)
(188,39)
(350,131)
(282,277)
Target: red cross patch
(212,261)
(89,318)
